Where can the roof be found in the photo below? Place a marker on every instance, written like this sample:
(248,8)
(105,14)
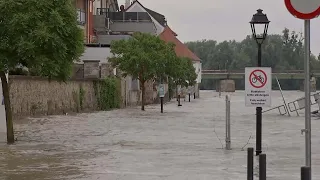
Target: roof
(157,16)
(174,33)
(181,49)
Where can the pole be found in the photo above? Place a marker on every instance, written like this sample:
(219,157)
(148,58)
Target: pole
(179,100)
(262,167)
(177,92)
(250,164)
(307,94)
(258,114)
(284,101)
(194,95)
(305,173)
(228,138)
(189,97)
(219,88)
(161,102)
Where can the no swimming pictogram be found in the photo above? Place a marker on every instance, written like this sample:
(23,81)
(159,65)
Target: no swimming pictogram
(258,78)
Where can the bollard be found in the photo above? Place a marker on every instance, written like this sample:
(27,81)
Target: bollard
(161,102)
(189,97)
(250,164)
(262,167)
(179,104)
(305,173)
(228,135)
(194,95)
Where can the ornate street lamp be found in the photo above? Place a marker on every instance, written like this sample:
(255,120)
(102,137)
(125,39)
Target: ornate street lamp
(259,26)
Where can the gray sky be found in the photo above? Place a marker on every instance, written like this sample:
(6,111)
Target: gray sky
(227,19)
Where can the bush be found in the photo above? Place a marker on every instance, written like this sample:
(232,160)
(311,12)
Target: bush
(108,92)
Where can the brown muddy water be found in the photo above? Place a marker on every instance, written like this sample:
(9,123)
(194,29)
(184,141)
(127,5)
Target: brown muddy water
(182,143)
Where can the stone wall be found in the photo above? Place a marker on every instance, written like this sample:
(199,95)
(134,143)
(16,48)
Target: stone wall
(149,92)
(129,97)
(31,95)
(37,96)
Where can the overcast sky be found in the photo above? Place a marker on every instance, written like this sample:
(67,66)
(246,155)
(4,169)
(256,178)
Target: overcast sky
(227,19)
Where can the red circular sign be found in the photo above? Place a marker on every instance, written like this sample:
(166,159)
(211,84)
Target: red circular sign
(258,78)
(301,15)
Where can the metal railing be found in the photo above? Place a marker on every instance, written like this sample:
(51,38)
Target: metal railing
(81,18)
(124,16)
(102,11)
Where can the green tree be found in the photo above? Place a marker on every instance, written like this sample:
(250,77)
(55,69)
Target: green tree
(40,35)
(190,74)
(184,73)
(144,57)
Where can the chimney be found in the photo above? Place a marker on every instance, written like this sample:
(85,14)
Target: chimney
(127,4)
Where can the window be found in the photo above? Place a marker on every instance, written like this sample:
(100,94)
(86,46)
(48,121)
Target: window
(81,16)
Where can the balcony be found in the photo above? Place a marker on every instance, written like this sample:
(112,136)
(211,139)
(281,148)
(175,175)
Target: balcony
(81,16)
(129,16)
(124,16)
(102,11)
(106,22)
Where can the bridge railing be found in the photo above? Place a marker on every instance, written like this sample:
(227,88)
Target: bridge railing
(242,71)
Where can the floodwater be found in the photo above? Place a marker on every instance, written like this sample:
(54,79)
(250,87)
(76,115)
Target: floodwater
(182,143)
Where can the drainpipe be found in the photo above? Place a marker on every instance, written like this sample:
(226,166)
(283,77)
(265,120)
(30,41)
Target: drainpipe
(89,19)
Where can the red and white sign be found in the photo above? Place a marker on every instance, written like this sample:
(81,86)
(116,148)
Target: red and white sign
(258,78)
(303,9)
(258,86)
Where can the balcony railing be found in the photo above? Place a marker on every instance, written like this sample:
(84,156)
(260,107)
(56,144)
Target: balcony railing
(102,11)
(81,16)
(124,16)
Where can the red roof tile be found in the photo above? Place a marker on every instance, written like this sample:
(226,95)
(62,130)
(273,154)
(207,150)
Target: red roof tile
(169,29)
(181,50)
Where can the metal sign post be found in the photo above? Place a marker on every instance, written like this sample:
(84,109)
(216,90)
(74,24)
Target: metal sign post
(306,10)
(228,132)
(307,129)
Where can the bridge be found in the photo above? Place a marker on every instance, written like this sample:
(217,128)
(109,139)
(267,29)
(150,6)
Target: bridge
(239,74)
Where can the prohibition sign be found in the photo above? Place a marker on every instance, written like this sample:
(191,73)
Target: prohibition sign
(303,10)
(257,81)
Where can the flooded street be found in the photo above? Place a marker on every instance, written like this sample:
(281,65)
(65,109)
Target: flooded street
(182,143)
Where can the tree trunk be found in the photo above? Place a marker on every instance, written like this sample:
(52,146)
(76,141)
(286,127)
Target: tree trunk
(6,97)
(142,95)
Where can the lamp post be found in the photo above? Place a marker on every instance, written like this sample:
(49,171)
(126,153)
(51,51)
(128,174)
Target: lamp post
(259,26)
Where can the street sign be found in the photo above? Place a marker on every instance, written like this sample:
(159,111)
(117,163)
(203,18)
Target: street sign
(161,90)
(258,86)
(303,9)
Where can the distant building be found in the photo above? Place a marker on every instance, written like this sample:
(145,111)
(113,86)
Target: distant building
(84,12)
(158,19)
(182,50)
(111,23)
